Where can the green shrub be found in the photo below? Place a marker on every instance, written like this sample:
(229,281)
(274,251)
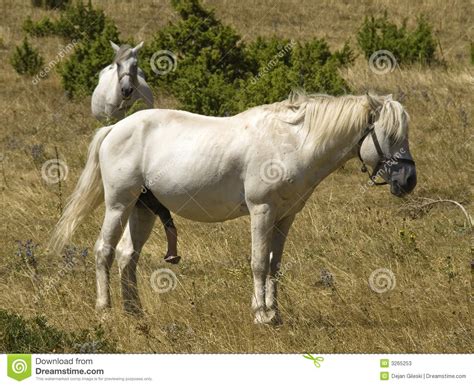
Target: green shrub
(43,27)
(26,59)
(35,335)
(215,73)
(472,52)
(207,56)
(80,72)
(83,23)
(378,33)
(210,70)
(78,21)
(50,4)
(286,65)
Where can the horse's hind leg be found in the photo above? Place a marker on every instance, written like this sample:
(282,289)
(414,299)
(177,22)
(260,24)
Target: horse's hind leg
(117,211)
(139,227)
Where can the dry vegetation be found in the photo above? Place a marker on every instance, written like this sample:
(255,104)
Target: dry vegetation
(341,230)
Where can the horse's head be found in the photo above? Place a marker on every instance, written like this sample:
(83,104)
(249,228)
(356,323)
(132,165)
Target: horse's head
(384,146)
(126,60)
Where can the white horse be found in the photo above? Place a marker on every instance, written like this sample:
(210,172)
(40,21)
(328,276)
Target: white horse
(264,162)
(120,85)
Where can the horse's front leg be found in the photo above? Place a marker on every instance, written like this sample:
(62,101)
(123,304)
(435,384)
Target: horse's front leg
(262,220)
(279,235)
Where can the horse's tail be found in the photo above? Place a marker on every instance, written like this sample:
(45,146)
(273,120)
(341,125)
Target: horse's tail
(87,195)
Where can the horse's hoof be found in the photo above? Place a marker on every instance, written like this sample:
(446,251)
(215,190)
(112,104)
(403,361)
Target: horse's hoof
(133,310)
(172,259)
(268,317)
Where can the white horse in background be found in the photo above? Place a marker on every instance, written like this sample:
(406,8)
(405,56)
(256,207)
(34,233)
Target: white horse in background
(120,85)
(264,162)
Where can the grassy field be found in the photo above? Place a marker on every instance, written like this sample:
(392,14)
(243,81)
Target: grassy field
(337,241)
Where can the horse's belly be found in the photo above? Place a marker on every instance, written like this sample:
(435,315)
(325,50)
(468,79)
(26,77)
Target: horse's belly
(204,204)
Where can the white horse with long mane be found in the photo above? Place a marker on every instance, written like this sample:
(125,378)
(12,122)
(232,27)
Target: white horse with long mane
(264,162)
(120,85)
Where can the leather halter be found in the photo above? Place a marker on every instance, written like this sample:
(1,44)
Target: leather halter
(124,74)
(383,159)
(121,76)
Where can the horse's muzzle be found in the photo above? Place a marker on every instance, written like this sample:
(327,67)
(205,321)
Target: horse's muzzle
(126,92)
(403,180)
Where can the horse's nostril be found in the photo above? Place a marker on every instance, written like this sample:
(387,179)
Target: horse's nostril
(126,91)
(410,183)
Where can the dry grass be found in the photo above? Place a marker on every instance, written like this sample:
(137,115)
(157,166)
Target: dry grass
(342,231)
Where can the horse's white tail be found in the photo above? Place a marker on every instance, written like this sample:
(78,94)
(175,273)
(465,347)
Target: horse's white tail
(87,195)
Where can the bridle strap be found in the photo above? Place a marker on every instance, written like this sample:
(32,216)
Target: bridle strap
(382,157)
(124,74)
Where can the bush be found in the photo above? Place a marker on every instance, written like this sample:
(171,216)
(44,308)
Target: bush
(207,55)
(50,4)
(217,74)
(80,72)
(78,21)
(210,70)
(472,52)
(43,27)
(407,46)
(35,335)
(26,59)
(286,65)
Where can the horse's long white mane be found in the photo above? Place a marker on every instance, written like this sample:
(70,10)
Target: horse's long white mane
(323,116)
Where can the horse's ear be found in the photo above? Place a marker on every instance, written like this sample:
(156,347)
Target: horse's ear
(138,47)
(374,103)
(401,96)
(114,46)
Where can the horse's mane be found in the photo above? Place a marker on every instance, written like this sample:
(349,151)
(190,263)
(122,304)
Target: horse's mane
(323,116)
(123,52)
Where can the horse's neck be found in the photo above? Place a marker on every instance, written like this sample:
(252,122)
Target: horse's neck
(326,156)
